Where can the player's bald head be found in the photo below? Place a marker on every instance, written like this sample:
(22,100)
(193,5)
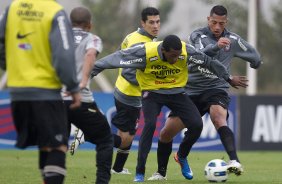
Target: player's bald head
(80,16)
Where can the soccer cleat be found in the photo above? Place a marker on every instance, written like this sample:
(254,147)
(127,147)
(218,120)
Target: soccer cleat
(235,167)
(185,169)
(139,178)
(124,171)
(157,176)
(78,140)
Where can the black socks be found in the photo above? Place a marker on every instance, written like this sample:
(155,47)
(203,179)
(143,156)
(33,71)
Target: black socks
(228,141)
(164,150)
(121,157)
(54,169)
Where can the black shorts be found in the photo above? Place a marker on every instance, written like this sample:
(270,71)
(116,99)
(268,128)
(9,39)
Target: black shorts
(91,121)
(126,117)
(180,103)
(208,98)
(42,123)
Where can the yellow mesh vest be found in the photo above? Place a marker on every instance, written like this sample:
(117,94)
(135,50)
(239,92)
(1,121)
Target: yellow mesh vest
(160,74)
(121,83)
(27,44)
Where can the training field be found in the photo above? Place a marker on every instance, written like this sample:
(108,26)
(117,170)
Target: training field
(20,167)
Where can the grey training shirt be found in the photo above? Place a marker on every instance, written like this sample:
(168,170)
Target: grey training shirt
(84,41)
(201,78)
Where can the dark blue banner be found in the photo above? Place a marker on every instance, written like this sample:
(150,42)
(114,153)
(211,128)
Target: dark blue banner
(261,122)
(209,139)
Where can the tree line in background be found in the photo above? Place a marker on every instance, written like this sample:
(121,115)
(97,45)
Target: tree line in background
(113,20)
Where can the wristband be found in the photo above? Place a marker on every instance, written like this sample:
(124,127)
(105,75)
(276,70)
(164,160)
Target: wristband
(230,78)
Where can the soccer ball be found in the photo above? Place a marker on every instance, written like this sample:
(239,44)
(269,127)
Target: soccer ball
(216,171)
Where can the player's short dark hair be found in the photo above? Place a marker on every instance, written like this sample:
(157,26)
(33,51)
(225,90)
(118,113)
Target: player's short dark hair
(172,42)
(218,10)
(80,16)
(149,11)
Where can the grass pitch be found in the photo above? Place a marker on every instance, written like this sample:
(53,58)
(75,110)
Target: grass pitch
(261,167)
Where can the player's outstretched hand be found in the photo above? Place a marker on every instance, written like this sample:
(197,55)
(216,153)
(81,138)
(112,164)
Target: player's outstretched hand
(239,81)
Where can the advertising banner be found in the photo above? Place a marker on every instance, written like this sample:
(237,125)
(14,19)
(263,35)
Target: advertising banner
(260,122)
(209,139)
(7,129)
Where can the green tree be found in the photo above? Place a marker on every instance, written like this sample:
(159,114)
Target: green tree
(113,20)
(270,45)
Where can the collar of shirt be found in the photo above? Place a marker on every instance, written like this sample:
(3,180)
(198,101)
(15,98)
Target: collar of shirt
(145,33)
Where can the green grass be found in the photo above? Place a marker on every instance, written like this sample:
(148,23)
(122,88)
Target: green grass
(20,167)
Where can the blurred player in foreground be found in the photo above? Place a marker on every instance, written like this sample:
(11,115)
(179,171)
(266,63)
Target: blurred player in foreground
(88,117)
(127,94)
(39,58)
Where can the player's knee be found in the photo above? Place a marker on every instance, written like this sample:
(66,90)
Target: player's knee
(126,141)
(219,121)
(165,136)
(218,124)
(125,144)
(124,150)
(62,148)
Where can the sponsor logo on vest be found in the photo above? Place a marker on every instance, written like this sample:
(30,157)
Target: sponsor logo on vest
(267,124)
(158,67)
(27,13)
(181,57)
(163,71)
(151,59)
(21,36)
(26,5)
(165,82)
(25,46)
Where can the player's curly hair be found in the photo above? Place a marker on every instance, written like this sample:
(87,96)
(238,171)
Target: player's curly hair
(172,42)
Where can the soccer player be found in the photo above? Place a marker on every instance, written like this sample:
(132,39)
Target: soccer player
(127,93)
(206,90)
(36,49)
(88,117)
(162,74)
